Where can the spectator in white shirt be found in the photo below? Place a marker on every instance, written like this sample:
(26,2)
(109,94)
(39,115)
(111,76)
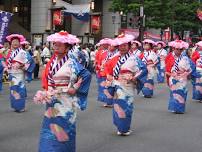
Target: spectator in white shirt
(46,52)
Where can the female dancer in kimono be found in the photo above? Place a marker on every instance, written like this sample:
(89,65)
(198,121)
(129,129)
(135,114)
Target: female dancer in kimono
(66,83)
(19,65)
(109,91)
(151,60)
(197,84)
(162,53)
(104,54)
(135,45)
(178,69)
(128,70)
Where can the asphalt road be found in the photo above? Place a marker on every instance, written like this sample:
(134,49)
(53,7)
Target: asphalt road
(154,128)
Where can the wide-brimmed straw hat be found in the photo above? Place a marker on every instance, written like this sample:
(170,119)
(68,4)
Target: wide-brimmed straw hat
(162,43)
(179,44)
(149,41)
(18,36)
(199,44)
(63,37)
(137,42)
(104,41)
(124,38)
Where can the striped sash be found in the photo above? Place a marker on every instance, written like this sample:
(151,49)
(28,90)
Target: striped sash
(109,55)
(12,56)
(120,62)
(146,54)
(159,52)
(176,63)
(136,51)
(53,70)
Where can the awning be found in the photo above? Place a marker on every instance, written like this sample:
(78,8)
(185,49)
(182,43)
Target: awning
(80,12)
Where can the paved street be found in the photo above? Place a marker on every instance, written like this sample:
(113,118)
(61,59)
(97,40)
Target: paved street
(155,129)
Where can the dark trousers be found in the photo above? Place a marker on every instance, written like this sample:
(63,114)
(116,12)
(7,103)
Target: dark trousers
(36,71)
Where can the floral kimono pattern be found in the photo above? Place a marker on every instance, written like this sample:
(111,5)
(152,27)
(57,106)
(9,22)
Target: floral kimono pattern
(178,84)
(150,59)
(124,92)
(58,133)
(197,83)
(20,65)
(161,66)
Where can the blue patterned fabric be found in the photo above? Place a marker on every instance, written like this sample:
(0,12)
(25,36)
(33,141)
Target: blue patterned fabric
(122,111)
(148,91)
(30,69)
(1,74)
(174,104)
(101,95)
(58,133)
(160,73)
(18,94)
(110,90)
(141,79)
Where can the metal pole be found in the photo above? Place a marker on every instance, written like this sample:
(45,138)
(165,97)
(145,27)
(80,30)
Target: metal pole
(141,29)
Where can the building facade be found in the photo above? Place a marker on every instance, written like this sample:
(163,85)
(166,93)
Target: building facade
(42,17)
(36,19)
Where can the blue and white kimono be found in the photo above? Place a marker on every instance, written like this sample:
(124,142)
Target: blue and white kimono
(162,53)
(137,52)
(178,84)
(1,73)
(78,55)
(197,81)
(150,59)
(58,133)
(124,91)
(20,65)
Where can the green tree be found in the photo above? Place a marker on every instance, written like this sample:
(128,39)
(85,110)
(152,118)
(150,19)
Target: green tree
(179,15)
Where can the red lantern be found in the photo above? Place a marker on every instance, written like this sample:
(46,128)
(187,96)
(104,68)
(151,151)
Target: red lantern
(96,22)
(167,35)
(57,17)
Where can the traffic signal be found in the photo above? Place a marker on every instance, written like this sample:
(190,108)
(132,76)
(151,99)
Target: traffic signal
(130,22)
(139,22)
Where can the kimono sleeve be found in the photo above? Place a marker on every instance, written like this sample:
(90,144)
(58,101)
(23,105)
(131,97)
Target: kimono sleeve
(141,79)
(82,92)
(158,65)
(195,56)
(194,73)
(1,66)
(30,65)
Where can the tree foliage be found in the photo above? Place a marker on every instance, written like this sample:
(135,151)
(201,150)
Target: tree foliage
(180,15)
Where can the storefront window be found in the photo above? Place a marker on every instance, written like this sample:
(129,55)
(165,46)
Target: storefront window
(25,13)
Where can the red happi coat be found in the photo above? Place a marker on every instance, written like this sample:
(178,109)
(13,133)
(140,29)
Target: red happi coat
(101,56)
(1,56)
(169,62)
(195,56)
(97,59)
(110,64)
